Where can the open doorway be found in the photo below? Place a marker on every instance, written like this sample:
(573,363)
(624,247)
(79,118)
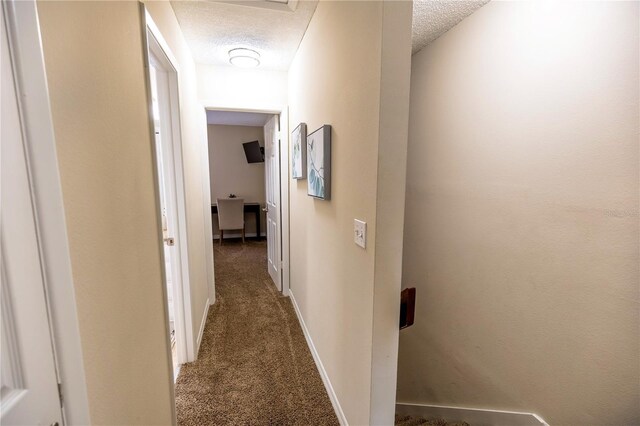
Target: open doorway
(246,163)
(164,102)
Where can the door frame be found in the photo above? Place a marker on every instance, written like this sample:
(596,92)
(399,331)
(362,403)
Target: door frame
(155,44)
(25,45)
(283,217)
(277,195)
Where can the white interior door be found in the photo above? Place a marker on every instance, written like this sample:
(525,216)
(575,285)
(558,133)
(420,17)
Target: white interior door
(161,98)
(159,85)
(272,181)
(29,389)
(168,147)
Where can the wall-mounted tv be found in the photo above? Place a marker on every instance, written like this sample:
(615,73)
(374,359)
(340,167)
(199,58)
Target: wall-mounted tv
(254,152)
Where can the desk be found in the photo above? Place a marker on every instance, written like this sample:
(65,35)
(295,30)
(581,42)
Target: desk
(248,208)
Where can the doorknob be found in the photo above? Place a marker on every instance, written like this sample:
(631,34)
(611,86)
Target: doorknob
(170,241)
(265,209)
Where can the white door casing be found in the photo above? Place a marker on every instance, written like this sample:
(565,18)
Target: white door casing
(272,183)
(27,61)
(171,186)
(29,388)
(285,161)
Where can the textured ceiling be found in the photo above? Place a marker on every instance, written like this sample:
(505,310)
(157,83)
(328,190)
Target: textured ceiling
(272,28)
(233,118)
(432,18)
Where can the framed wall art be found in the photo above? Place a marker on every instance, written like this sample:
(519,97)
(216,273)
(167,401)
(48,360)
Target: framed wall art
(299,152)
(319,163)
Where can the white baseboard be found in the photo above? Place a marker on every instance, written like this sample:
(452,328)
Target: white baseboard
(176,373)
(473,416)
(239,235)
(323,373)
(201,331)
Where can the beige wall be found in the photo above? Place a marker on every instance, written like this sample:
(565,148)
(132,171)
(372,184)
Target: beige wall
(96,76)
(229,171)
(521,230)
(392,159)
(94,62)
(336,79)
(229,87)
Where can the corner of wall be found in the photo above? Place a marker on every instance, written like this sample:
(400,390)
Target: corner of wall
(392,161)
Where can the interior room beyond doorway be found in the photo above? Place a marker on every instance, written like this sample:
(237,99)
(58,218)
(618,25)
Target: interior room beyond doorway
(234,172)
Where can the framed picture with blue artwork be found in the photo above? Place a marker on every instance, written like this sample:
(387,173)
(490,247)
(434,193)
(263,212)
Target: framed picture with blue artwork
(299,152)
(319,163)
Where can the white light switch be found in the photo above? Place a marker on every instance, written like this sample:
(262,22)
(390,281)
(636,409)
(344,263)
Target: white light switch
(360,232)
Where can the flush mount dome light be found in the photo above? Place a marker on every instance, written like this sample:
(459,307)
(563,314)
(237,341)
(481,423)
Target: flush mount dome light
(244,58)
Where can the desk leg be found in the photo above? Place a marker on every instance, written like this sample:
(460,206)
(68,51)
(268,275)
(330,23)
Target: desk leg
(258,236)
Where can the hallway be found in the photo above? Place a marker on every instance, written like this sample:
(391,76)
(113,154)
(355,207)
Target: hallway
(254,365)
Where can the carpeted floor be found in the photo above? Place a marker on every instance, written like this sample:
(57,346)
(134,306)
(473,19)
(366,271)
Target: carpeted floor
(421,421)
(254,366)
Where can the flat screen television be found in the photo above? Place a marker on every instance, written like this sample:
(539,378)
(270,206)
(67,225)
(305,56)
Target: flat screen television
(254,152)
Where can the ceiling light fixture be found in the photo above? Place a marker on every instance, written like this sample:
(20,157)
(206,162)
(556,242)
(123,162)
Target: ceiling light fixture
(244,58)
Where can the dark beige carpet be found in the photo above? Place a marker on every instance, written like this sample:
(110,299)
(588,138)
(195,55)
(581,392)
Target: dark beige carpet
(254,366)
(421,421)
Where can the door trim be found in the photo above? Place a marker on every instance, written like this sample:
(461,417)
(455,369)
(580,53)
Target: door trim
(283,128)
(273,199)
(185,342)
(283,112)
(25,45)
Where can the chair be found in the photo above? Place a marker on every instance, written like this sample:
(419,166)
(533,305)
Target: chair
(230,215)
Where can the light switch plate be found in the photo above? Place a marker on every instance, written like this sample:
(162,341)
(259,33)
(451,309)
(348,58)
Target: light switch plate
(360,233)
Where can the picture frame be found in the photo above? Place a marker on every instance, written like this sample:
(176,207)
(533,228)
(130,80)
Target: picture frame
(299,152)
(319,163)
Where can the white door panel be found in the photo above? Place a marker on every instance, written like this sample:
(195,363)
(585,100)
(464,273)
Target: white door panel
(29,388)
(162,77)
(164,157)
(272,180)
